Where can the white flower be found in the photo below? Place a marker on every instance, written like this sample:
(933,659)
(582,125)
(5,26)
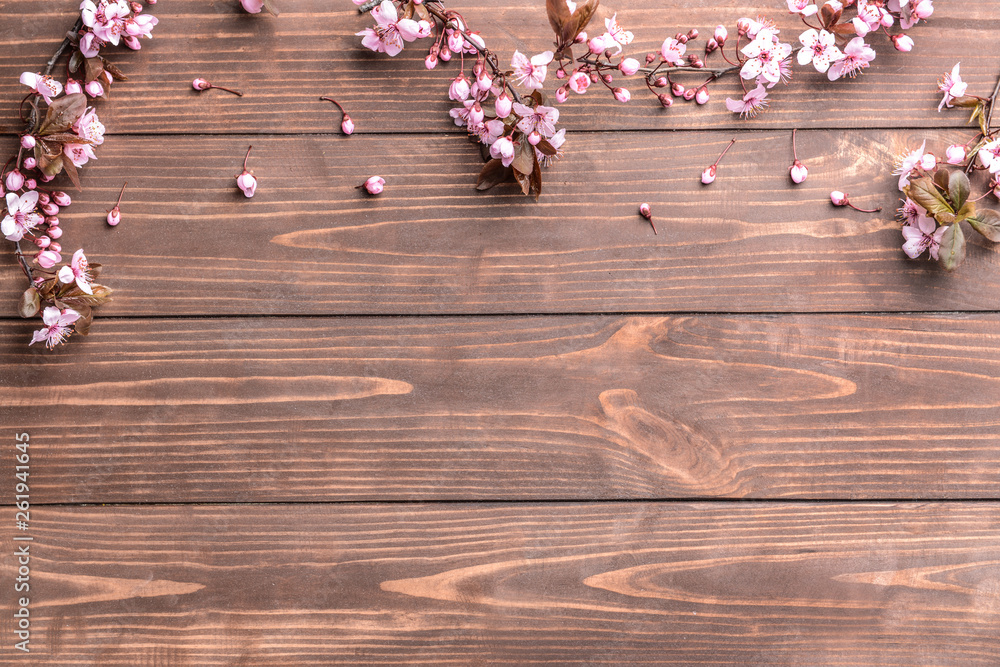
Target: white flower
(764,56)
(388,34)
(21,216)
(989,155)
(45,86)
(530,73)
(819,49)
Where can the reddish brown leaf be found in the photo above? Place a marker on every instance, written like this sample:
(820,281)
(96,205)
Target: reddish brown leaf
(524,158)
(546,148)
(524,180)
(94,68)
(559,15)
(492,174)
(62,113)
(70,170)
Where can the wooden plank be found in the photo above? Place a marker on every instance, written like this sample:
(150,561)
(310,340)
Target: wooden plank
(285,65)
(533,408)
(310,243)
(647,583)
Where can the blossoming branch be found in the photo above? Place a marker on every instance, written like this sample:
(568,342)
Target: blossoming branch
(505,109)
(61,130)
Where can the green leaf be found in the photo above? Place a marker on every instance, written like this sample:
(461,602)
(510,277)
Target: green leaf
(62,113)
(952,250)
(987,223)
(923,191)
(958,189)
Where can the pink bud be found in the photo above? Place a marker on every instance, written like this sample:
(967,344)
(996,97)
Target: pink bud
(742,26)
(798,172)
(431,61)
(245,182)
(708,175)
(48,258)
(956,154)
(902,42)
(650,57)
(562,94)
(607,78)
(581,38)
(484,80)
(55,232)
(455,41)
(374,185)
(73,86)
(596,45)
(115,214)
(645,211)
(923,9)
(347,125)
(711,45)
(27,142)
(52,221)
(629,66)
(838,198)
(200,84)
(94,88)
(534,138)
(132,42)
(677,89)
(661,82)
(43,242)
(665,100)
(504,103)
(50,209)
(45,178)
(681,37)
(693,33)
(55,247)
(561,73)
(928,162)
(702,95)
(622,94)
(458,91)
(689,94)
(476,114)
(445,54)
(30,163)
(61,198)
(43,198)
(30,184)
(15,180)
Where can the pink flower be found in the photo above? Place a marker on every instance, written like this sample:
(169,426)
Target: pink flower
(838,198)
(911,212)
(579,82)
(464,115)
(503,150)
(952,86)
(921,237)
(623,95)
(798,172)
(819,49)
(902,42)
(721,34)
(541,118)
(374,185)
(246,182)
(530,73)
(107,18)
(989,155)
(672,51)
(869,18)
(857,55)
(57,326)
(618,33)
(557,140)
(73,86)
(89,127)
(94,88)
(141,25)
(764,56)
(388,34)
(21,216)
(79,154)
(77,271)
(252,6)
(503,104)
(90,46)
(752,103)
(907,163)
(15,180)
(459,89)
(708,175)
(115,214)
(488,132)
(562,94)
(48,258)
(804,7)
(45,86)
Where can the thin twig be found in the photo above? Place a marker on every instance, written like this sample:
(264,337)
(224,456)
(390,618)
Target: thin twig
(993,103)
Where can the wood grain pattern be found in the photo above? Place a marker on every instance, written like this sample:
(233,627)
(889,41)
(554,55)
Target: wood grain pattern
(309,243)
(285,65)
(510,408)
(640,583)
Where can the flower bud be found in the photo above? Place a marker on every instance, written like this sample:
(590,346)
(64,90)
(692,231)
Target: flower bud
(650,57)
(708,175)
(695,61)
(622,94)
(42,242)
(689,94)
(581,38)
(431,61)
(55,247)
(742,26)
(661,82)
(43,198)
(484,80)
(132,42)
(902,42)
(245,182)
(798,172)
(48,258)
(73,86)
(677,89)
(52,221)
(136,7)
(606,78)
(645,211)
(710,46)
(459,89)
(503,104)
(475,38)
(629,66)
(683,39)
(534,138)
(692,33)
(94,88)
(50,209)
(115,215)
(838,198)
(14,181)
(562,94)
(665,100)
(476,114)
(596,45)
(561,73)
(956,154)
(55,232)
(347,125)
(702,95)
(455,41)
(27,142)
(374,185)
(928,162)
(200,84)
(445,54)
(30,163)
(45,178)
(924,9)
(30,184)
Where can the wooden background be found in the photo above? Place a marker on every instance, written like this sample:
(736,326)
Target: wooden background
(449,427)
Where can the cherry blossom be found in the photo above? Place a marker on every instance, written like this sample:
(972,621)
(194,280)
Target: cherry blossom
(619,34)
(530,73)
(78,271)
(556,140)
(989,156)
(21,215)
(389,32)
(819,49)
(922,236)
(541,118)
(673,51)
(79,154)
(503,150)
(804,7)
(752,102)
(253,6)
(245,180)
(910,212)
(107,18)
(956,154)
(579,82)
(952,86)
(857,55)
(764,55)
(89,127)
(45,86)
(57,326)
(910,161)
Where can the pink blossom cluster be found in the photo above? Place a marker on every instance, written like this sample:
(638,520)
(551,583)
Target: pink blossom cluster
(113,22)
